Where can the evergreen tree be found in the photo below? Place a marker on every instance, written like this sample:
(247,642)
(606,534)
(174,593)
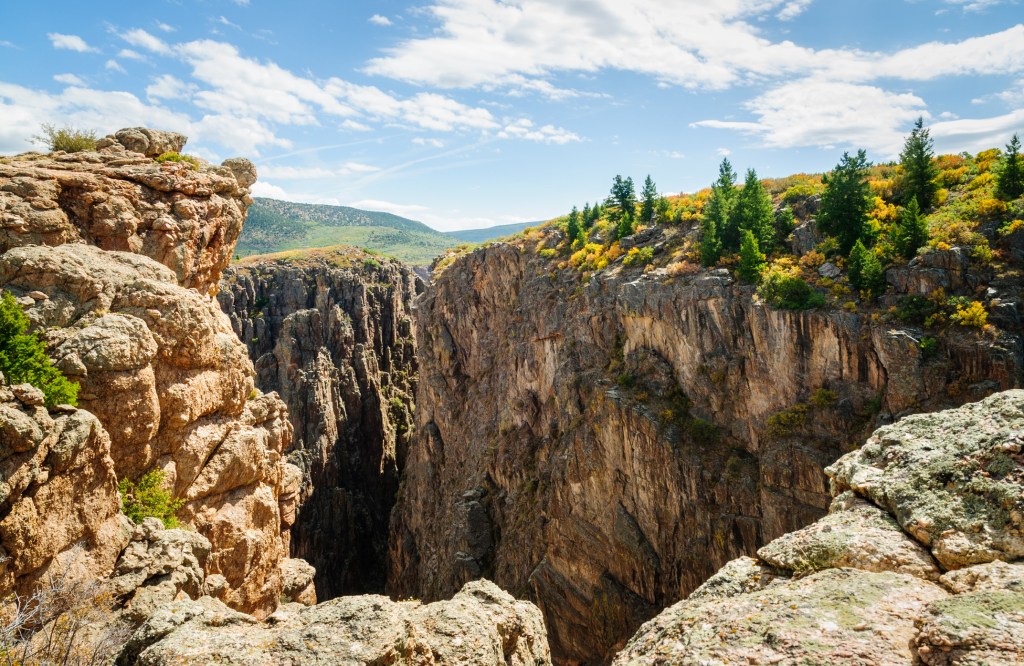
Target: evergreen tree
(648,201)
(845,202)
(622,196)
(752,260)
(754,211)
(1010,177)
(23,358)
(719,208)
(572,227)
(585,216)
(865,270)
(911,230)
(625,227)
(919,169)
(710,242)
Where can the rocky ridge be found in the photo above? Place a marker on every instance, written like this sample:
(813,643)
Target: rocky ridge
(918,560)
(331,332)
(121,298)
(604,445)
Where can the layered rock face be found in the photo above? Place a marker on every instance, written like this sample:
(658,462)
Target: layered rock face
(332,334)
(480,626)
(918,561)
(604,446)
(170,385)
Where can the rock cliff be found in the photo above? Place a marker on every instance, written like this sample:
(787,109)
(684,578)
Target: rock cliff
(918,560)
(604,445)
(122,300)
(480,626)
(331,332)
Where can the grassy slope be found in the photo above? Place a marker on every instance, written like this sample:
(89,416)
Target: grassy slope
(275,226)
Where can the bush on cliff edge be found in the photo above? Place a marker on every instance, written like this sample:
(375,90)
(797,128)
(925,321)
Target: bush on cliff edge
(23,358)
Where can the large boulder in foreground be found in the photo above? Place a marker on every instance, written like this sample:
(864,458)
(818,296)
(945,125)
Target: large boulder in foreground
(480,626)
(918,561)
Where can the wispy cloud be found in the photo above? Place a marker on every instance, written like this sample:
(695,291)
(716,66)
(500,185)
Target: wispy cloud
(70,43)
(377,19)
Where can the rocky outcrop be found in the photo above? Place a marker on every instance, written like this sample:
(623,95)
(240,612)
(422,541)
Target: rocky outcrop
(480,626)
(122,300)
(331,332)
(187,218)
(59,508)
(947,487)
(603,445)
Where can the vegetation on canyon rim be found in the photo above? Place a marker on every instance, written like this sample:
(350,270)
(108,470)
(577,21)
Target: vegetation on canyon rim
(872,217)
(23,358)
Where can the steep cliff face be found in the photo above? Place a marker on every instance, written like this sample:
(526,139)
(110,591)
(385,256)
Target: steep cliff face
(918,561)
(604,446)
(331,332)
(170,385)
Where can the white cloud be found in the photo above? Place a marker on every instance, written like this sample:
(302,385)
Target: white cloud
(525,129)
(114,66)
(164,27)
(793,9)
(974,134)
(724,152)
(812,112)
(312,173)
(377,19)
(434,143)
(129,54)
(144,40)
(975,5)
(166,86)
(355,126)
(405,210)
(70,43)
(241,3)
(69,79)
(262,188)
(8,45)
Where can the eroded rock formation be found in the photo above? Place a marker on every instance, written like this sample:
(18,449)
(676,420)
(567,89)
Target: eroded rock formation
(604,446)
(332,334)
(121,298)
(910,566)
(480,626)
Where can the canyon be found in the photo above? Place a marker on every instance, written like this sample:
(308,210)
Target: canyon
(596,445)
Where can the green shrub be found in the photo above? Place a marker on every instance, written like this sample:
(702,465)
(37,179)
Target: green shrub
(915,310)
(68,139)
(638,256)
(782,424)
(788,292)
(823,398)
(178,157)
(929,347)
(149,499)
(23,358)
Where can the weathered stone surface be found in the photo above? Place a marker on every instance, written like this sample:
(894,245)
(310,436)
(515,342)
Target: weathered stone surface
(332,334)
(160,367)
(602,445)
(59,507)
(837,616)
(158,567)
(977,628)
(186,219)
(740,576)
(854,534)
(952,479)
(997,575)
(297,581)
(480,626)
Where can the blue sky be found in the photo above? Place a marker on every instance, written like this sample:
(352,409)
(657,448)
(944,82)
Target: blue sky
(468,113)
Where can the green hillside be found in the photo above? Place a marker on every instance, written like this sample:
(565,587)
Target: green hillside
(275,226)
(490,233)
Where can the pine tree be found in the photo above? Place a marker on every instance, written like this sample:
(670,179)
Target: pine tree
(1010,177)
(752,260)
(648,201)
(572,227)
(754,211)
(845,202)
(911,230)
(710,242)
(585,216)
(864,270)
(719,208)
(622,196)
(625,227)
(919,169)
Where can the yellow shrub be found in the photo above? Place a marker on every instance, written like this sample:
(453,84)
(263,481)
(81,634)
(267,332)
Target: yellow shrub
(812,259)
(981,181)
(614,251)
(945,162)
(951,177)
(972,314)
(990,207)
(941,196)
(882,211)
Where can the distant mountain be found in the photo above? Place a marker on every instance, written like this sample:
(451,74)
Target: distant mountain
(490,233)
(274,226)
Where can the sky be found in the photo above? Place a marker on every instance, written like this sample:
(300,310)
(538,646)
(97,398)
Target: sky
(470,113)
